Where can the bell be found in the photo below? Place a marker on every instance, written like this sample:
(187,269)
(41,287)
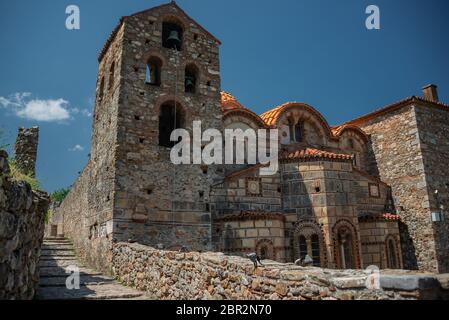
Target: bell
(190,83)
(173,39)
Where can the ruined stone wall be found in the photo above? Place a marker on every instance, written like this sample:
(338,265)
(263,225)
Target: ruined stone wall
(26,150)
(433,128)
(175,275)
(22,213)
(157,202)
(86,213)
(398,158)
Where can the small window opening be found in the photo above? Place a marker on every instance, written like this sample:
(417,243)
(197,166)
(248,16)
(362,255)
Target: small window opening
(172,36)
(191,75)
(169,121)
(101,93)
(111,75)
(141,140)
(153,73)
(136,117)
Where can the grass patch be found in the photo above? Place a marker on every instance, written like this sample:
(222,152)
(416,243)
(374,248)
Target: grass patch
(17,175)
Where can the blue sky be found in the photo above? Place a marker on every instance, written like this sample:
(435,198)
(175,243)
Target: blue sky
(314,51)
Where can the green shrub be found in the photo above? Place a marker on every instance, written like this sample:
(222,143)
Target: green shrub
(59,195)
(17,175)
(48,216)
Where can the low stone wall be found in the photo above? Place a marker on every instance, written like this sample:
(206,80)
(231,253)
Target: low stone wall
(176,275)
(22,213)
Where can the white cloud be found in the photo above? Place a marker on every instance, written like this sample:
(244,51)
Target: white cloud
(45,110)
(77,148)
(83,112)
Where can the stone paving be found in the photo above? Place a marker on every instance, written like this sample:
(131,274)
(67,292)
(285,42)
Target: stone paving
(57,254)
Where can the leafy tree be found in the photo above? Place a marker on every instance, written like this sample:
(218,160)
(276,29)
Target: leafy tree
(60,194)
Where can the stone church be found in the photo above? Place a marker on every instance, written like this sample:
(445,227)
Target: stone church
(372,191)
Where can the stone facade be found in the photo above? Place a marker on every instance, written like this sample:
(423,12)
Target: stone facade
(409,148)
(186,276)
(349,196)
(22,213)
(26,150)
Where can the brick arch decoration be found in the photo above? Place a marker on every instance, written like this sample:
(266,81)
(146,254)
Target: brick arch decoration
(396,242)
(345,223)
(308,228)
(268,244)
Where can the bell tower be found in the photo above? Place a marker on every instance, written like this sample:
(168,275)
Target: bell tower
(166,76)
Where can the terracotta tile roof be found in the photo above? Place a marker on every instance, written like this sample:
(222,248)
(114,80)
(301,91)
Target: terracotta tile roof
(253,215)
(396,106)
(379,217)
(171,3)
(229,104)
(311,153)
(271,116)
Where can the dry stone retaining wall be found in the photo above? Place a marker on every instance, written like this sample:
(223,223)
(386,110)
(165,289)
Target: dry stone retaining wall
(22,214)
(192,275)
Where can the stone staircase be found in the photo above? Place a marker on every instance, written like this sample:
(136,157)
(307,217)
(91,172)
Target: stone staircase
(57,255)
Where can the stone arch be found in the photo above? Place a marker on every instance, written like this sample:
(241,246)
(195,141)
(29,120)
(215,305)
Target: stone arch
(154,70)
(346,245)
(265,249)
(171,23)
(314,128)
(353,140)
(307,229)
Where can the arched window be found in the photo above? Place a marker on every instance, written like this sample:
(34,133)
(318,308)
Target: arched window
(191,76)
(172,35)
(265,249)
(345,246)
(298,132)
(170,118)
(392,261)
(302,247)
(153,74)
(101,89)
(111,75)
(316,250)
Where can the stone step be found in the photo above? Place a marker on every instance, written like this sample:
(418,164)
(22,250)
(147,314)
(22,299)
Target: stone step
(59,253)
(55,238)
(59,263)
(57,247)
(57,257)
(88,292)
(85,279)
(57,242)
(47,272)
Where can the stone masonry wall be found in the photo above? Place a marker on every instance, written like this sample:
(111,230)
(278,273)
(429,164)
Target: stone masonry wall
(26,149)
(157,202)
(173,275)
(433,127)
(397,154)
(86,214)
(22,214)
